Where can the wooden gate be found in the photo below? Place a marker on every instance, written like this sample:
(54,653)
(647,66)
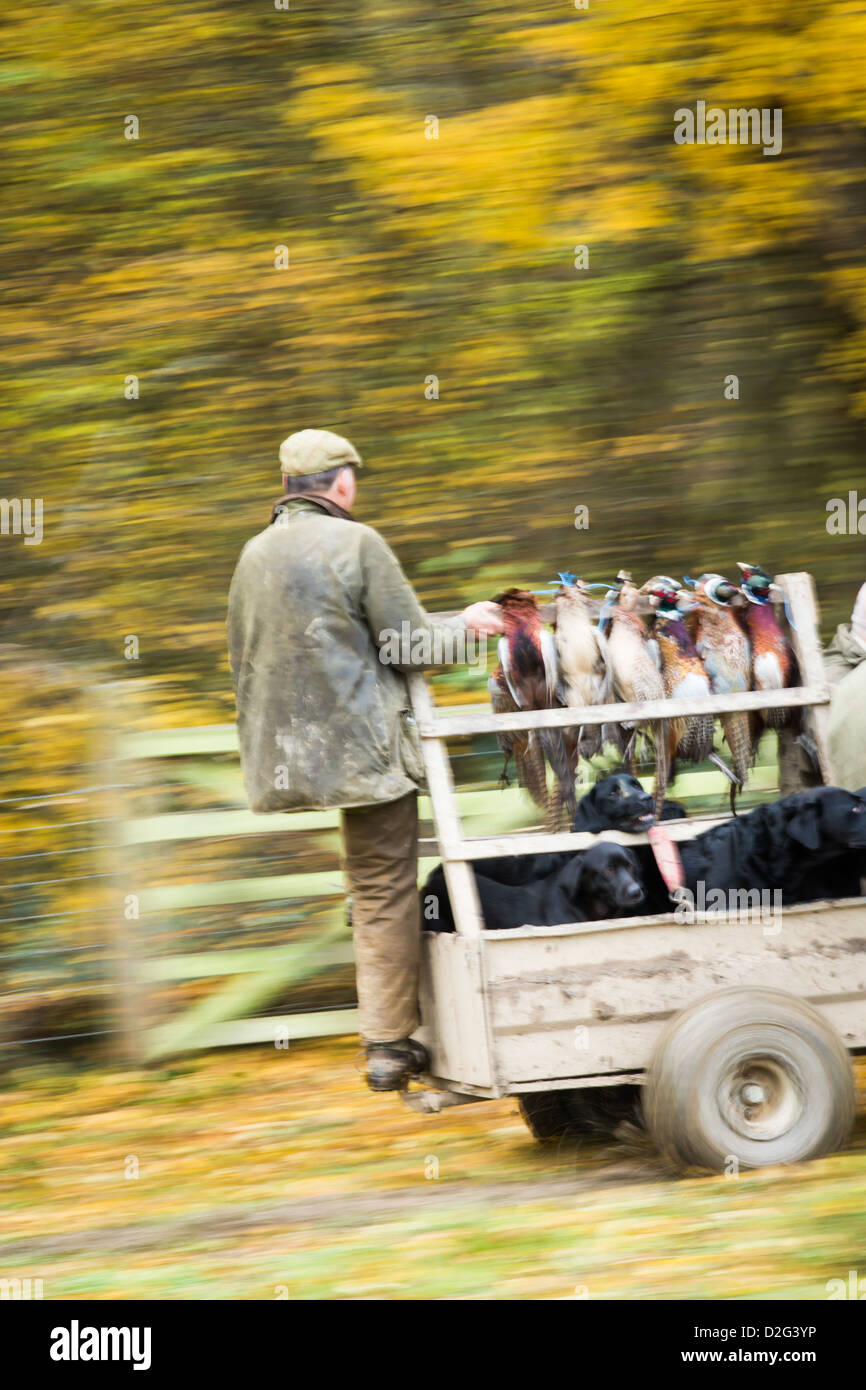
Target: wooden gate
(248,978)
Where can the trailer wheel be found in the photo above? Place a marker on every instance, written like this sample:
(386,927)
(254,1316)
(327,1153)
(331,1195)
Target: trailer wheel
(592,1110)
(752,1077)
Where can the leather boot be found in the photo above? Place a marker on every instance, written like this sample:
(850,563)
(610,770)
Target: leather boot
(390,1065)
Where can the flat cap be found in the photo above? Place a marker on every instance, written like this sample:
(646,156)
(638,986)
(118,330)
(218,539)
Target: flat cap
(315,451)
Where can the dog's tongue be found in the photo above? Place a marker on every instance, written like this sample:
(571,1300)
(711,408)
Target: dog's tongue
(667,856)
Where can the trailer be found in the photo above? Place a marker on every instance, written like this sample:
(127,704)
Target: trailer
(739,1032)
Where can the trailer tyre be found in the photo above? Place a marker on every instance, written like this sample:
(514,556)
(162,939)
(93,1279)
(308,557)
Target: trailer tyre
(749,1077)
(592,1110)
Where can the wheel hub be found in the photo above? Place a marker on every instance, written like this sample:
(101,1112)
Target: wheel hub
(760,1099)
(753,1094)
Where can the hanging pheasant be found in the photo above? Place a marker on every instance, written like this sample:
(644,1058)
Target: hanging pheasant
(526,679)
(726,654)
(582,665)
(773,663)
(635,676)
(683,675)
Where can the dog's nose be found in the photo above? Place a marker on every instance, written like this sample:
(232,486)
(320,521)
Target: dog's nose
(634,893)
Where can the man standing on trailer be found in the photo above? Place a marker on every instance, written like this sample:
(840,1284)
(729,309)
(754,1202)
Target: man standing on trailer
(845,671)
(324,718)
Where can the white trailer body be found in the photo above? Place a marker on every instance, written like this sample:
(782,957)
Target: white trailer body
(584,1005)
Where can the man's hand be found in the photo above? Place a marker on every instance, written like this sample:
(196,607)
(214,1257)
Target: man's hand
(484,617)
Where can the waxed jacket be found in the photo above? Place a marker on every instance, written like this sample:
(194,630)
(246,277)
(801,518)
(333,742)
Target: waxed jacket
(322,720)
(845,665)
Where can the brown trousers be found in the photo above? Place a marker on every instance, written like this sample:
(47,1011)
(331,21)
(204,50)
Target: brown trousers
(380,865)
(796,772)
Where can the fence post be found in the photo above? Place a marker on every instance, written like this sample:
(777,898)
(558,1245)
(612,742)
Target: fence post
(113,859)
(799,589)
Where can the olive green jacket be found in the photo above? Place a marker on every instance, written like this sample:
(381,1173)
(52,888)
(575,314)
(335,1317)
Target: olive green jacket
(843,654)
(323,721)
(845,669)
(845,665)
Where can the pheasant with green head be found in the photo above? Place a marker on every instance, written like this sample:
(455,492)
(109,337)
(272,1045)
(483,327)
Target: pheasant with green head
(527,679)
(581,661)
(683,673)
(773,665)
(635,675)
(725,651)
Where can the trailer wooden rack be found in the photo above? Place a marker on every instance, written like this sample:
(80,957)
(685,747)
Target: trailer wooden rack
(582,1004)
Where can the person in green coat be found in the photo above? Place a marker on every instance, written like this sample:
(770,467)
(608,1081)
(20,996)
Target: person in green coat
(845,669)
(322,627)
(845,665)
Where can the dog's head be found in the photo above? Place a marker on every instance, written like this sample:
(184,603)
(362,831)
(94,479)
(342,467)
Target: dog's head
(620,803)
(604,880)
(829,819)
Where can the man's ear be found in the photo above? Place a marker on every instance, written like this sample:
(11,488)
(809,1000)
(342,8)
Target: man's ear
(804,825)
(345,485)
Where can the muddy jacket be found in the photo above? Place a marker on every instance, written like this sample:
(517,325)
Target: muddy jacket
(845,666)
(843,654)
(322,720)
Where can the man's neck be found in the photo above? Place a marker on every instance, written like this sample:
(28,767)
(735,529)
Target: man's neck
(322,500)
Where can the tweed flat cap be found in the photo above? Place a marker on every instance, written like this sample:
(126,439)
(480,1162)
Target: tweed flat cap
(315,451)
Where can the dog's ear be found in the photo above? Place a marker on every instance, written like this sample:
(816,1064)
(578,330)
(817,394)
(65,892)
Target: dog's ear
(570,876)
(805,824)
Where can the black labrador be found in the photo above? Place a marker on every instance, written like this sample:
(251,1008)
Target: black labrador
(619,802)
(810,845)
(602,882)
(616,802)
